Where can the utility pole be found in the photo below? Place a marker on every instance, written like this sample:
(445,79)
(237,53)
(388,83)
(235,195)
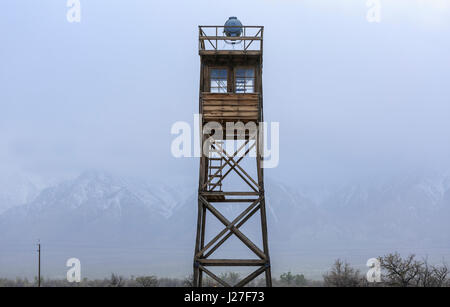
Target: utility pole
(39,263)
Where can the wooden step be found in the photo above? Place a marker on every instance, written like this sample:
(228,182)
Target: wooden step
(215,176)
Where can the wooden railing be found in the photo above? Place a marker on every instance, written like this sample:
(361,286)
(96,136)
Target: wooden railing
(251,39)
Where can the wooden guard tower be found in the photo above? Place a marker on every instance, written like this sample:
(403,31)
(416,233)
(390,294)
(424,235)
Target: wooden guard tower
(231,92)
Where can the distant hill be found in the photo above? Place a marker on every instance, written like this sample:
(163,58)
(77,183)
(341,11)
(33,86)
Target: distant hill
(131,224)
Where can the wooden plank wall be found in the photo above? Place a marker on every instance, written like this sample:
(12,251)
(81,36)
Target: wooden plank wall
(230,107)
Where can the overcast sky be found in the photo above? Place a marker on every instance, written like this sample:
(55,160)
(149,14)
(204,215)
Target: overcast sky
(354,99)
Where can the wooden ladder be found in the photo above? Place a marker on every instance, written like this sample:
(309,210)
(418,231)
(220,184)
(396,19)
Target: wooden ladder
(215,163)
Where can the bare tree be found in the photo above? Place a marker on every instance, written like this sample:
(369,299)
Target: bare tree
(433,275)
(441,274)
(401,272)
(116,281)
(147,281)
(409,272)
(426,275)
(342,275)
(189,281)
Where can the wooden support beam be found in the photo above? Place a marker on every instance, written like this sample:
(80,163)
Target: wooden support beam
(227,228)
(202,51)
(214,276)
(200,219)
(250,277)
(227,161)
(233,200)
(230,159)
(237,162)
(229,38)
(236,231)
(231,262)
(229,193)
(229,234)
(221,168)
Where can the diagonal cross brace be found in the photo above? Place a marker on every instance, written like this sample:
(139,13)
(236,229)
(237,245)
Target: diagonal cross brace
(250,277)
(234,155)
(236,231)
(230,160)
(227,228)
(214,276)
(234,168)
(229,234)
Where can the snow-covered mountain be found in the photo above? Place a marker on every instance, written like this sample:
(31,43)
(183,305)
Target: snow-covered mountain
(412,210)
(95,207)
(18,189)
(102,211)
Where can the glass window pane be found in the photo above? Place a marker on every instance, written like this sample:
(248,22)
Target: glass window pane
(219,73)
(245,80)
(240,72)
(245,72)
(218,80)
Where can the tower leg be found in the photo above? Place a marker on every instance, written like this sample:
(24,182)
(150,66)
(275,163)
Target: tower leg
(259,158)
(208,196)
(265,242)
(197,277)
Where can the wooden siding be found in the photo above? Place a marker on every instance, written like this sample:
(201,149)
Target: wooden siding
(230,107)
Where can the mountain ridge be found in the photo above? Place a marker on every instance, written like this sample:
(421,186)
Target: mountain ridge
(100,210)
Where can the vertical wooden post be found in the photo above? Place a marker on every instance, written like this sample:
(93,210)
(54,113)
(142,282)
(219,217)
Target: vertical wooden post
(39,264)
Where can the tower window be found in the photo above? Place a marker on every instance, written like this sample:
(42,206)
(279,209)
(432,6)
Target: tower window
(245,80)
(219,80)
